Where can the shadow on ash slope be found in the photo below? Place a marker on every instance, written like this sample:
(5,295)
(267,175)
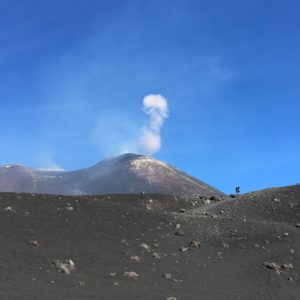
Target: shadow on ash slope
(150,247)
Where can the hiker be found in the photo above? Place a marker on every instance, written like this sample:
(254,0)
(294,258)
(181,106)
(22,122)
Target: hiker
(237,190)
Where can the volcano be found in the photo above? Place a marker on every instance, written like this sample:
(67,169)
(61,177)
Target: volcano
(124,174)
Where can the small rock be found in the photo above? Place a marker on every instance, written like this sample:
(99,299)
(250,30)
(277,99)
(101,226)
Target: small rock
(171,298)
(65,268)
(206,201)
(71,265)
(225,245)
(34,243)
(70,208)
(183,249)
(148,207)
(288,266)
(10,209)
(145,247)
(286,234)
(131,275)
(297,225)
(61,267)
(195,243)
(276,200)
(156,255)
(135,258)
(112,274)
(167,276)
(116,283)
(182,210)
(272,266)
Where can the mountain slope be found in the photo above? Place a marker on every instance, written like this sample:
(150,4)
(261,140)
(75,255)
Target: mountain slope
(125,174)
(212,251)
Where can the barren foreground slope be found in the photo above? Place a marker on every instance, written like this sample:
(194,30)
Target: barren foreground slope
(149,247)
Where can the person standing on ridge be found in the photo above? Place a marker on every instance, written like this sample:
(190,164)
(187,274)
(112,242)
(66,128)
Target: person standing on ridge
(237,190)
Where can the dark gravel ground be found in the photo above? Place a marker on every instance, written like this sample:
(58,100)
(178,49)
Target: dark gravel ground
(106,236)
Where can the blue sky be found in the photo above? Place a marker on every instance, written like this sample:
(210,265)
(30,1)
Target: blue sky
(73,75)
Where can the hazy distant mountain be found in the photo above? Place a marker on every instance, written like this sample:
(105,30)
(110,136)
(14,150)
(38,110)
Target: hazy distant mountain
(128,173)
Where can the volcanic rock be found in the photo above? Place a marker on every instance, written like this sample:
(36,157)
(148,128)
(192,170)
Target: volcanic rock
(131,275)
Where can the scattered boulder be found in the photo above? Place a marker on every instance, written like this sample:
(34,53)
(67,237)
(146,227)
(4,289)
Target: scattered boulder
(66,268)
(148,206)
(195,244)
(131,275)
(145,247)
(34,243)
(297,225)
(183,249)
(215,198)
(171,298)
(206,201)
(225,245)
(182,210)
(10,209)
(272,266)
(135,258)
(167,276)
(288,266)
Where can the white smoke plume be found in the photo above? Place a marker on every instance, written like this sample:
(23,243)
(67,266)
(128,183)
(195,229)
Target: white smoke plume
(156,106)
(116,133)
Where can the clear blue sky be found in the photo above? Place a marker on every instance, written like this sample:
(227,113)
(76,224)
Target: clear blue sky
(73,75)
